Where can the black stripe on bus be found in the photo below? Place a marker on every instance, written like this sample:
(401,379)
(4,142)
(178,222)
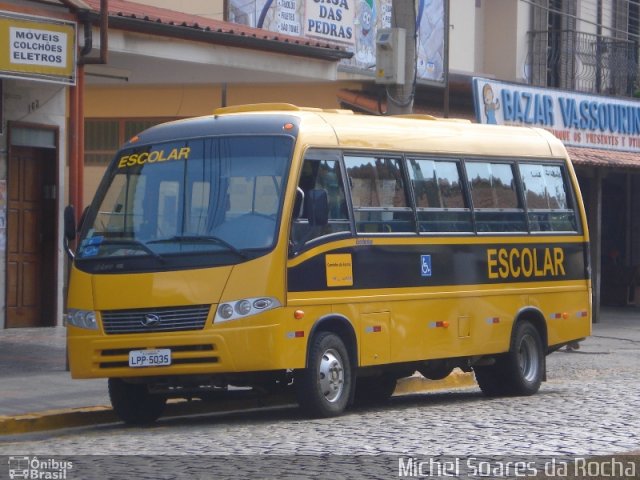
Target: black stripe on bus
(396,266)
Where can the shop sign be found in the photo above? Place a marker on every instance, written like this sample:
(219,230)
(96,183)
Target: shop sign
(580,120)
(37,48)
(331,20)
(351,24)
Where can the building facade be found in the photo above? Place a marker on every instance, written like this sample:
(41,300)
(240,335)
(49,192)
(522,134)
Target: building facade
(121,66)
(37,70)
(583,56)
(580,56)
(149,64)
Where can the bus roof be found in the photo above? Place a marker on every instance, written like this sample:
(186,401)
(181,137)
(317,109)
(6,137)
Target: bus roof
(414,132)
(342,128)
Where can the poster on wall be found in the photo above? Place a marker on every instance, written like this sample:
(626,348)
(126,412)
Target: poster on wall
(430,45)
(351,24)
(282,16)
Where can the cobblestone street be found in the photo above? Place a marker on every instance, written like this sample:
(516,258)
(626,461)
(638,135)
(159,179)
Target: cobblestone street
(587,407)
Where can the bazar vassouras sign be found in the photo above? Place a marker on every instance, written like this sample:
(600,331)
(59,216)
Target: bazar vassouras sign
(580,120)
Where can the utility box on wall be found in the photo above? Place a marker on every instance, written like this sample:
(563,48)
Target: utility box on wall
(390,52)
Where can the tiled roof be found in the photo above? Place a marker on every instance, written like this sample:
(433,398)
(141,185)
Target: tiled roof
(367,102)
(603,158)
(218,31)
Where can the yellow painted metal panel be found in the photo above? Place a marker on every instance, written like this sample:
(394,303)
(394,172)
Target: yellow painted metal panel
(375,338)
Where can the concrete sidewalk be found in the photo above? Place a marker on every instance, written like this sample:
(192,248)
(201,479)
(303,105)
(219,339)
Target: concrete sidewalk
(37,393)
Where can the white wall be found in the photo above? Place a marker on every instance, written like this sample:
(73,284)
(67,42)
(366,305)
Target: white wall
(489,38)
(462,36)
(523,13)
(501,31)
(587,11)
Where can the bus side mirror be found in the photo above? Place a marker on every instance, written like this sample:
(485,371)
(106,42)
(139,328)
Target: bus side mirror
(69,223)
(316,206)
(69,229)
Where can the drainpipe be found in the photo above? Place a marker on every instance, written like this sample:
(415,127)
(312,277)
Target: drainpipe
(76,101)
(88,36)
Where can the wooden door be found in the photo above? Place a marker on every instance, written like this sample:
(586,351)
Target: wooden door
(31,237)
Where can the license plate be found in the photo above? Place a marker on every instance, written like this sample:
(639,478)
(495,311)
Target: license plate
(150,358)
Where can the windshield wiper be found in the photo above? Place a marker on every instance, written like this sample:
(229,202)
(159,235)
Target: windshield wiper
(202,239)
(133,242)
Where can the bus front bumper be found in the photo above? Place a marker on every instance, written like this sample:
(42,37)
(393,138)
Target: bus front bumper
(205,352)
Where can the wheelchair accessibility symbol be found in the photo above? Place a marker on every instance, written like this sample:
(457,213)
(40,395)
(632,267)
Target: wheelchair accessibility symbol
(425,265)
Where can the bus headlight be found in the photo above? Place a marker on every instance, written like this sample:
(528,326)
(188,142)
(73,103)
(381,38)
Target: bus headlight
(244,308)
(81,319)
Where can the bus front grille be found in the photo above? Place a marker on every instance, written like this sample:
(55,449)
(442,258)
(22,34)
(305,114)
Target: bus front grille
(180,355)
(145,320)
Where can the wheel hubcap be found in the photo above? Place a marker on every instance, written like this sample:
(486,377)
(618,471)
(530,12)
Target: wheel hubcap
(331,375)
(529,358)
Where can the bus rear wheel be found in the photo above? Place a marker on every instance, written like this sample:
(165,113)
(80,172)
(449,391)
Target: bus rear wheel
(520,371)
(133,403)
(323,388)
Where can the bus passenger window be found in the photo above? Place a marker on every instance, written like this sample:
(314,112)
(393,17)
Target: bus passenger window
(378,194)
(495,199)
(546,197)
(321,175)
(440,202)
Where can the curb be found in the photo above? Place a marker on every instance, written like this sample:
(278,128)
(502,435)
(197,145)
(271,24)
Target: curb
(56,419)
(85,416)
(102,415)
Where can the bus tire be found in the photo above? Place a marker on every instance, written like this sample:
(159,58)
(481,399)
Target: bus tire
(323,388)
(377,389)
(133,403)
(490,380)
(521,370)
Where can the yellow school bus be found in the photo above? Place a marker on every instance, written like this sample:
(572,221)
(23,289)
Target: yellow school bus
(327,252)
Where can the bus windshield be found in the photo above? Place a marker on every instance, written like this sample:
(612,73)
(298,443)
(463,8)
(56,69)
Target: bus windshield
(205,196)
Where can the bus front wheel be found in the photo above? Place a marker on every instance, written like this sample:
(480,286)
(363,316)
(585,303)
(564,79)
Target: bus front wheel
(323,388)
(520,371)
(133,403)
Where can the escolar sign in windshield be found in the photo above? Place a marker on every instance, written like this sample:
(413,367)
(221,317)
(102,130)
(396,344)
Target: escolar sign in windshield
(154,156)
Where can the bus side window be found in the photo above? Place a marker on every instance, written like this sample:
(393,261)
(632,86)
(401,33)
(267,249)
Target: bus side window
(378,194)
(320,175)
(440,202)
(496,203)
(546,198)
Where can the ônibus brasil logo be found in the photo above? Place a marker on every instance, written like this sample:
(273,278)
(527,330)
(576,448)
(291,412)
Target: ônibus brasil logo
(41,469)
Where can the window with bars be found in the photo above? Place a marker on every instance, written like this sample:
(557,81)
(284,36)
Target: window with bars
(103,137)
